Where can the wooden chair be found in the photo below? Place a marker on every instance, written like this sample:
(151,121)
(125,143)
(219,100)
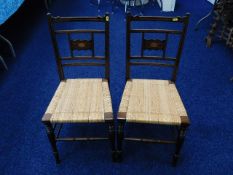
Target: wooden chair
(154,101)
(79,100)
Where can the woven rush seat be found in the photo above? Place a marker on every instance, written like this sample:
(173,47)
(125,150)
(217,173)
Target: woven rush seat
(80,100)
(151,101)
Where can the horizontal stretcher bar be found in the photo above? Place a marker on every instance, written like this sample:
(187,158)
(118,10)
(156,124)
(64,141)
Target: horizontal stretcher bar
(150,140)
(158,18)
(78,19)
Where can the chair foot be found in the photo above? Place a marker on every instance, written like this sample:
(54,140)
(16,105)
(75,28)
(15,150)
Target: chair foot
(118,156)
(175,159)
(56,155)
(114,156)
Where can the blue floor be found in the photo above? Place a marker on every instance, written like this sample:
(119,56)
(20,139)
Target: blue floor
(26,89)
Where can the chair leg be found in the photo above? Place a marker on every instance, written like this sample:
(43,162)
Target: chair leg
(112,140)
(179,143)
(120,138)
(52,140)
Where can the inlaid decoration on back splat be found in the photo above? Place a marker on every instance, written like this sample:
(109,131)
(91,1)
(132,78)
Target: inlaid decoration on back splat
(154,44)
(82,44)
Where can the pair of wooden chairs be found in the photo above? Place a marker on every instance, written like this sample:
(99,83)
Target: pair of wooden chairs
(89,100)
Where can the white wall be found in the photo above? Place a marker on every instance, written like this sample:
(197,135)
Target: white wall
(211,1)
(168,5)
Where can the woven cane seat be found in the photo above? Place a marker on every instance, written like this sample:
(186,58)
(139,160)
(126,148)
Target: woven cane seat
(80,100)
(152,101)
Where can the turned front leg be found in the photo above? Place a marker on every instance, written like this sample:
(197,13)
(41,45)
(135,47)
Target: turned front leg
(179,144)
(52,140)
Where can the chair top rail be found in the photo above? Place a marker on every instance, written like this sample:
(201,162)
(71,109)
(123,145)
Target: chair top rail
(78,19)
(159,18)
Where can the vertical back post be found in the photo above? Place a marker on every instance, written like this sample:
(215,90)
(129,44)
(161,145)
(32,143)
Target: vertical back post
(181,45)
(55,47)
(128,44)
(107,63)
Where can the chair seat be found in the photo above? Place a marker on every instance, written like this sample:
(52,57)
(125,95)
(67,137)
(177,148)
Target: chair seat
(152,101)
(80,101)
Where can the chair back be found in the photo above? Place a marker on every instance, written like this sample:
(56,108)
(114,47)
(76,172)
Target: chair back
(155,44)
(77,46)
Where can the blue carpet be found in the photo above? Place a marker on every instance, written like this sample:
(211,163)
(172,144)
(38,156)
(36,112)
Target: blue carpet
(28,86)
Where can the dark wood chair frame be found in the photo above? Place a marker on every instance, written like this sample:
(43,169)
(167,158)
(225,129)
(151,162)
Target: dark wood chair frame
(79,45)
(153,44)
